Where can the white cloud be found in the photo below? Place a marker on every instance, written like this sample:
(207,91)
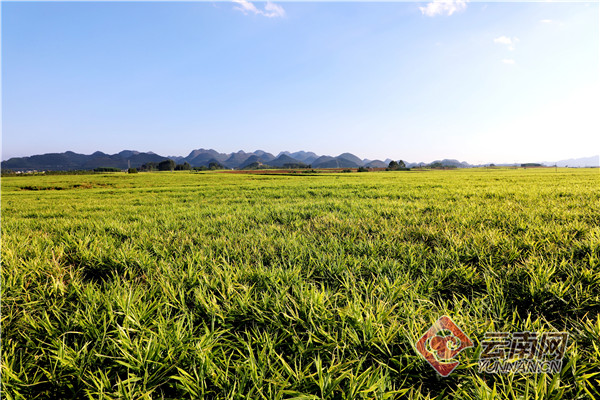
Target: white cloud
(245,6)
(271,10)
(552,22)
(443,7)
(503,40)
(509,61)
(507,41)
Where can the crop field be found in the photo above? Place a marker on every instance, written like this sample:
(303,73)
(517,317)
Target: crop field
(308,286)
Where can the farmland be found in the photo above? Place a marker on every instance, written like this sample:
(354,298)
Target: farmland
(248,286)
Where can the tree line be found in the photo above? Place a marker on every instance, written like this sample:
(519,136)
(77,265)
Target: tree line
(170,165)
(397,166)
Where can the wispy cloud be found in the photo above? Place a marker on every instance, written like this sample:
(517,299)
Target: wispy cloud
(507,41)
(271,10)
(508,61)
(443,7)
(552,22)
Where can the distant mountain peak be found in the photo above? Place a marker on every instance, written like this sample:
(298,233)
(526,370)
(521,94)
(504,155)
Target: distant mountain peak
(351,157)
(593,161)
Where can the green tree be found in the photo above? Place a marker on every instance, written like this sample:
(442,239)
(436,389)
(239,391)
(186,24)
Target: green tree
(151,166)
(397,166)
(107,169)
(183,167)
(166,165)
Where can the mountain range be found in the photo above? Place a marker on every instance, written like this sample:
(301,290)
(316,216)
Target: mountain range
(196,158)
(237,160)
(593,161)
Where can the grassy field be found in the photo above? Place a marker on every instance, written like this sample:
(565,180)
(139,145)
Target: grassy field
(232,286)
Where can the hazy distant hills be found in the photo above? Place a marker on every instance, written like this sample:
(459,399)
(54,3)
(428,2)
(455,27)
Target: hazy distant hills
(237,160)
(593,161)
(72,161)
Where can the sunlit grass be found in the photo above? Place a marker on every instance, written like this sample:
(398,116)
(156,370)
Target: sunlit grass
(215,285)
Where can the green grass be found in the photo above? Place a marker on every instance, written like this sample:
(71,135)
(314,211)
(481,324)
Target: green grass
(218,286)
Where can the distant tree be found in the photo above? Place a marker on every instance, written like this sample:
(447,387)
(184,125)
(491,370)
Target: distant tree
(525,165)
(151,166)
(255,165)
(183,167)
(107,169)
(392,166)
(397,166)
(132,171)
(294,165)
(362,169)
(215,165)
(166,165)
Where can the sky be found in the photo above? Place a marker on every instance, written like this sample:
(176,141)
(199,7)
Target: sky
(479,82)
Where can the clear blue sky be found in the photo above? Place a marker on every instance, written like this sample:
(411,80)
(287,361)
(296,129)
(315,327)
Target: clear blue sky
(480,82)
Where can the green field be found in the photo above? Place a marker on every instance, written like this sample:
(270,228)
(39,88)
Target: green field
(219,285)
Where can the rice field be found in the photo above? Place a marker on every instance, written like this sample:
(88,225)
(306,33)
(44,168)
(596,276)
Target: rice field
(294,286)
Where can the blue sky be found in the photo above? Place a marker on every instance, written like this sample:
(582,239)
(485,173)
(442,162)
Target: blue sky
(480,82)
